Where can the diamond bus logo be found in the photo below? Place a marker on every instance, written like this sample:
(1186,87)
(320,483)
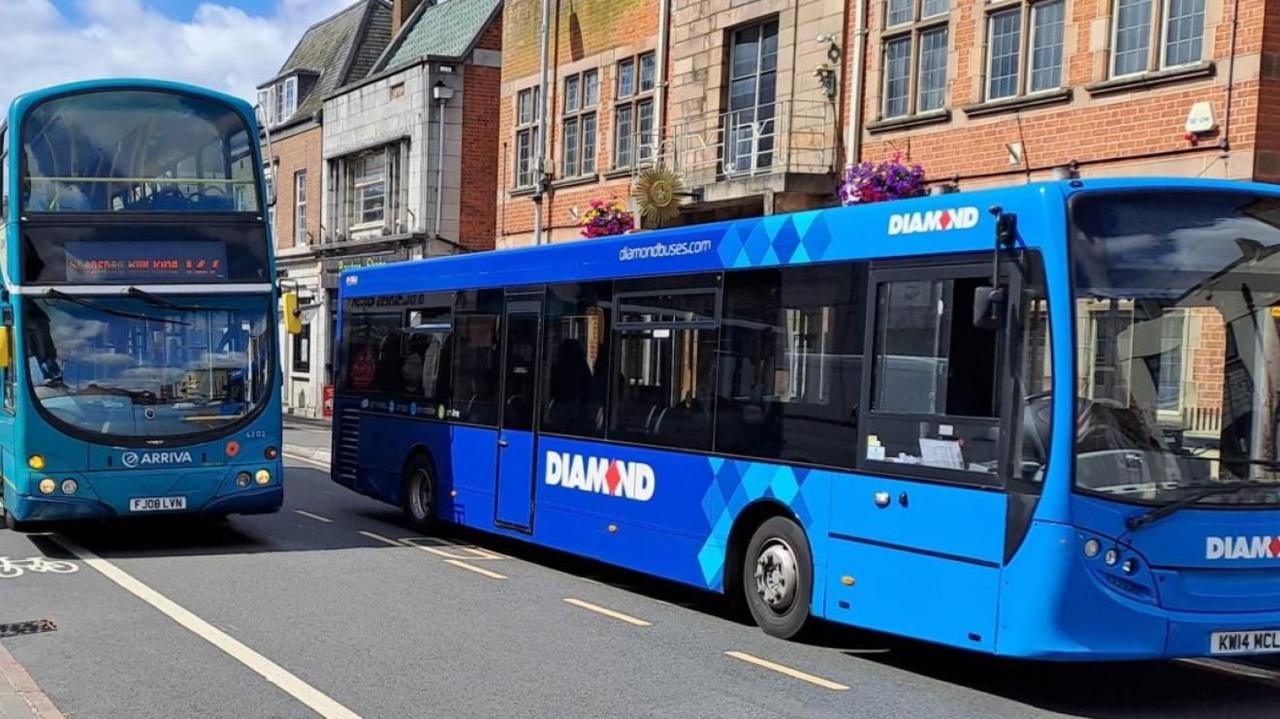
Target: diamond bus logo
(909,223)
(1257,547)
(631,480)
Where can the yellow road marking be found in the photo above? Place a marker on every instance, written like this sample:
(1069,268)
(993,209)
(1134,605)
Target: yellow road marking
(608,612)
(316,517)
(793,673)
(474,568)
(380,538)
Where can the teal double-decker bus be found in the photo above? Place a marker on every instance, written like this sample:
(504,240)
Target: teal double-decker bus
(138,314)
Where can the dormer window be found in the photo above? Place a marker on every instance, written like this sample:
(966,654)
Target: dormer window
(280,100)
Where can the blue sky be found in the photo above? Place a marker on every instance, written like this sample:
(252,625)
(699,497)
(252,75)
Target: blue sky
(228,45)
(183,10)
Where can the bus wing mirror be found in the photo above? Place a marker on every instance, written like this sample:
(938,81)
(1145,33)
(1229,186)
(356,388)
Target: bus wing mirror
(6,346)
(989,308)
(292,315)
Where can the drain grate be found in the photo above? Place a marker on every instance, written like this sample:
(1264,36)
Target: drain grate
(38,626)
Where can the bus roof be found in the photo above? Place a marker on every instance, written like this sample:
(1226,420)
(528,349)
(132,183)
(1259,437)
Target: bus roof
(938,224)
(24,102)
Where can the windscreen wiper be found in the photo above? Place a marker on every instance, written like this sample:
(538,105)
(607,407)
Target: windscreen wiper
(60,295)
(158,301)
(1149,518)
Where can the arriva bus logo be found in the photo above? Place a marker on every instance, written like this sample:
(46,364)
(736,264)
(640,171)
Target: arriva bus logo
(909,223)
(633,480)
(151,459)
(1260,547)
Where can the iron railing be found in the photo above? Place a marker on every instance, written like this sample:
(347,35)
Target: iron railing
(790,136)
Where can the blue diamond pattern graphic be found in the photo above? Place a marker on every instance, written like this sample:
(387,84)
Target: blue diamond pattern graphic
(784,485)
(713,504)
(786,241)
(757,245)
(817,239)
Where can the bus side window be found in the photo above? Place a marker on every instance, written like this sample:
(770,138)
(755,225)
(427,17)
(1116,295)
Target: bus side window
(1035,378)
(575,379)
(935,381)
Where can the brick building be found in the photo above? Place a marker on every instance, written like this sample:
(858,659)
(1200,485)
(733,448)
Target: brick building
(992,92)
(604,75)
(329,54)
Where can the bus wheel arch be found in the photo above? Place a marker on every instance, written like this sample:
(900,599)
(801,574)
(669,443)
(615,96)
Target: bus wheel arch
(769,547)
(419,495)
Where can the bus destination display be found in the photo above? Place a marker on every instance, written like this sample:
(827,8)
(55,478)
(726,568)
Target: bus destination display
(146,261)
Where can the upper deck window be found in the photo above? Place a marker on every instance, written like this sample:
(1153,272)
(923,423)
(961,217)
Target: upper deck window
(137,151)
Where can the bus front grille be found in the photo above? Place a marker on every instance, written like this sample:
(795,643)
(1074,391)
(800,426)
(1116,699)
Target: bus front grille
(348,446)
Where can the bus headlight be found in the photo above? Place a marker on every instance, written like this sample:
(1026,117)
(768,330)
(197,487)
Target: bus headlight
(69,486)
(263,477)
(1111,557)
(1092,547)
(48,486)
(243,479)
(271,453)
(35,462)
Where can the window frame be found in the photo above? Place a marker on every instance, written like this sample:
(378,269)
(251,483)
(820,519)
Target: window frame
(1027,11)
(300,201)
(1157,55)
(577,117)
(638,152)
(913,31)
(360,183)
(526,129)
(1008,421)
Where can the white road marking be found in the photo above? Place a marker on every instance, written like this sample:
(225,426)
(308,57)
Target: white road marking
(316,517)
(474,568)
(269,670)
(433,546)
(303,458)
(608,612)
(793,673)
(380,538)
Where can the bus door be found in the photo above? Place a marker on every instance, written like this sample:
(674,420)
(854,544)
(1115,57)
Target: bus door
(919,537)
(522,332)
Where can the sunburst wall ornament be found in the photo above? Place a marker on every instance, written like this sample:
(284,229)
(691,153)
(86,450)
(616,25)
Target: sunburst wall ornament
(657,192)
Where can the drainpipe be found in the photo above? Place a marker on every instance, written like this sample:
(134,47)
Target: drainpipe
(660,87)
(541,170)
(853,144)
(442,93)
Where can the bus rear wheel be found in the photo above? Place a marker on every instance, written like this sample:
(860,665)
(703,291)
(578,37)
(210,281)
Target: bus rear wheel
(777,577)
(419,500)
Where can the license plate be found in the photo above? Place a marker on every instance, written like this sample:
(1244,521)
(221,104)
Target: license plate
(157,504)
(1263,641)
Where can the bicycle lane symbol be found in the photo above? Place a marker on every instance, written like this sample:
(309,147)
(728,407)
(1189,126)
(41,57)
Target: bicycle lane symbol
(14,568)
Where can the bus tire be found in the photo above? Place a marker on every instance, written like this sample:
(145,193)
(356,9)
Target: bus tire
(10,523)
(419,496)
(777,577)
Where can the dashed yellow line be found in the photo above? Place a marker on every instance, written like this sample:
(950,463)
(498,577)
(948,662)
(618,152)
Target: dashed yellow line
(478,570)
(608,612)
(788,671)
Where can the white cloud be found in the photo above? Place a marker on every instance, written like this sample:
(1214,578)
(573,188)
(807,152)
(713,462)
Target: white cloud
(220,47)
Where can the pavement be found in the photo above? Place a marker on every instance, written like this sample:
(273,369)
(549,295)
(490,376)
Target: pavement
(334,608)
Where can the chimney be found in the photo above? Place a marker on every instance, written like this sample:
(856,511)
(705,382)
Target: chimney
(400,12)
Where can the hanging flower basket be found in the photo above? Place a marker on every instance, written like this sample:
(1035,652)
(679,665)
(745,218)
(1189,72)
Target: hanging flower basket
(879,181)
(605,219)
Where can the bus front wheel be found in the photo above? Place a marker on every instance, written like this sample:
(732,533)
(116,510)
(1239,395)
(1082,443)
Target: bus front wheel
(777,577)
(419,500)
